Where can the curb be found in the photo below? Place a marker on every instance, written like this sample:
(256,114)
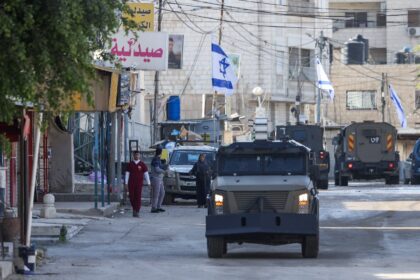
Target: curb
(6,269)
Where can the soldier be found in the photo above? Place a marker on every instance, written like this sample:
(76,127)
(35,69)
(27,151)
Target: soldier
(136,172)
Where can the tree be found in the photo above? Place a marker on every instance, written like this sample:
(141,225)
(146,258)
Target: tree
(47,47)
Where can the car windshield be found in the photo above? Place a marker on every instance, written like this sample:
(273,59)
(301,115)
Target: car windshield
(275,164)
(183,157)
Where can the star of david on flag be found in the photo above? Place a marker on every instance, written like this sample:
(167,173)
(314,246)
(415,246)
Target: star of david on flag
(323,82)
(224,78)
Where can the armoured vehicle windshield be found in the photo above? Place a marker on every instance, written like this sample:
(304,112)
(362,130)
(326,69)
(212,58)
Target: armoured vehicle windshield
(262,164)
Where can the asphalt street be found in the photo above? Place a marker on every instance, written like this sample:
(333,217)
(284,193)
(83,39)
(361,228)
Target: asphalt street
(368,231)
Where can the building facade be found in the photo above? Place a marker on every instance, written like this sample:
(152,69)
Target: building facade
(361,91)
(263,37)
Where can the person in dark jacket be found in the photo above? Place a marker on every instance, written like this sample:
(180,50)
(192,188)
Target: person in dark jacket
(202,172)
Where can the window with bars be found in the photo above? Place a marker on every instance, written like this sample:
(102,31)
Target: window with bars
(356,19)
(361,100)
(413,18)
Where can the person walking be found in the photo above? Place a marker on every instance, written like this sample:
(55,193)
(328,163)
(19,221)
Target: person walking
(158,189)
(201,170)
(134,175)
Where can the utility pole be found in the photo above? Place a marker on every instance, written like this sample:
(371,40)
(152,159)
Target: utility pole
(321,44)
(214,103)
(383,96)
(155,115)
(299,82)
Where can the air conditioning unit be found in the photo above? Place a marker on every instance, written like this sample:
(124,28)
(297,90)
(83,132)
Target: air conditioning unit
(413,31)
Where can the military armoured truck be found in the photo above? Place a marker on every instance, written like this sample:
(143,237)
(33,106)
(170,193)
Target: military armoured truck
(366,151)
(263,194)
(312,137)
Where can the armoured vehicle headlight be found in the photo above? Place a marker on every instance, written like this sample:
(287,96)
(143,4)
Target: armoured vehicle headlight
(218,200)
(303,204)
(303,199)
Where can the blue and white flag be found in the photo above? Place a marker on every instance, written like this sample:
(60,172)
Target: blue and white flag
(224,77)
(398,106)
(323,82)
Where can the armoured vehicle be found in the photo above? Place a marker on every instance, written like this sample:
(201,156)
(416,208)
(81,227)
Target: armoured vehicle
(263,194)
(312,137)
(177,180)
(366,151)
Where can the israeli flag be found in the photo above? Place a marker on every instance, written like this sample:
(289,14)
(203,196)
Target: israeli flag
(398,106)
(224,78)
(323,82)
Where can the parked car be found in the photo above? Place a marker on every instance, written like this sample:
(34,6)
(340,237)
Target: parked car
(178,182)
(411,167)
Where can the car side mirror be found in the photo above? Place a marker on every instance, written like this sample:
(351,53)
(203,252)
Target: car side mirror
(411,156)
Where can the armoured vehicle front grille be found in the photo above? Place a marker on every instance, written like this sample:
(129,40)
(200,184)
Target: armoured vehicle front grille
(272,199)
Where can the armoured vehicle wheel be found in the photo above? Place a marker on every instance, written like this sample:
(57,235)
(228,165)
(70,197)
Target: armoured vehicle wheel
(343,181)
(216,247)
(322,184)
(310,246)
(415,181)
(168,199)
(394,180)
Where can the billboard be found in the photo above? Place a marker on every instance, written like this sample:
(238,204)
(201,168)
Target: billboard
(175,51)
(141,50)
(143,15)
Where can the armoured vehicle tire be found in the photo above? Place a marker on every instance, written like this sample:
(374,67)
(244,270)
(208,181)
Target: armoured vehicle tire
(415,181)
(322,184)
(393,180)
(310,246)
(343,181)
(336,180)
(216,247)
(168,199)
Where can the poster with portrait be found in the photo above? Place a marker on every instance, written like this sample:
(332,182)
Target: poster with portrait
(175,51)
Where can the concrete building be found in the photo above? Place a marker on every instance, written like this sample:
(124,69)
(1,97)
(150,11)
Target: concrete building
(264,37)
(390,26)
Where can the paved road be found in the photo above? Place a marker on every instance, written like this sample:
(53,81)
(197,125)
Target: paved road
(368,231)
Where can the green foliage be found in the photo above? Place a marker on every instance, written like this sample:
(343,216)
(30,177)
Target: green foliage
(5,145)
(47,47)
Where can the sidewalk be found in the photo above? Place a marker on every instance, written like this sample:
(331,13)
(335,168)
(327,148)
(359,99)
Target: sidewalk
(74,216)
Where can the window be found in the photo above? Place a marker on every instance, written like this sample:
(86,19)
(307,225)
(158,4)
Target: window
(305,57)
(361,100)
(413,18)
(356,19)
(377,55)
(417,99)
(380,20)
(274,164)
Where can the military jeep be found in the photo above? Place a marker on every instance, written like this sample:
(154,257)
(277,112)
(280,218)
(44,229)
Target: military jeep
(263,194)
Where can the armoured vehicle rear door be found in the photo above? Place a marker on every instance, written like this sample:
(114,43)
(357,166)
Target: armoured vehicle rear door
(370,142)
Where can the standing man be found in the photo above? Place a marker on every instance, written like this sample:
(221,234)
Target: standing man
(136,172)
(158,190)
(201,170)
